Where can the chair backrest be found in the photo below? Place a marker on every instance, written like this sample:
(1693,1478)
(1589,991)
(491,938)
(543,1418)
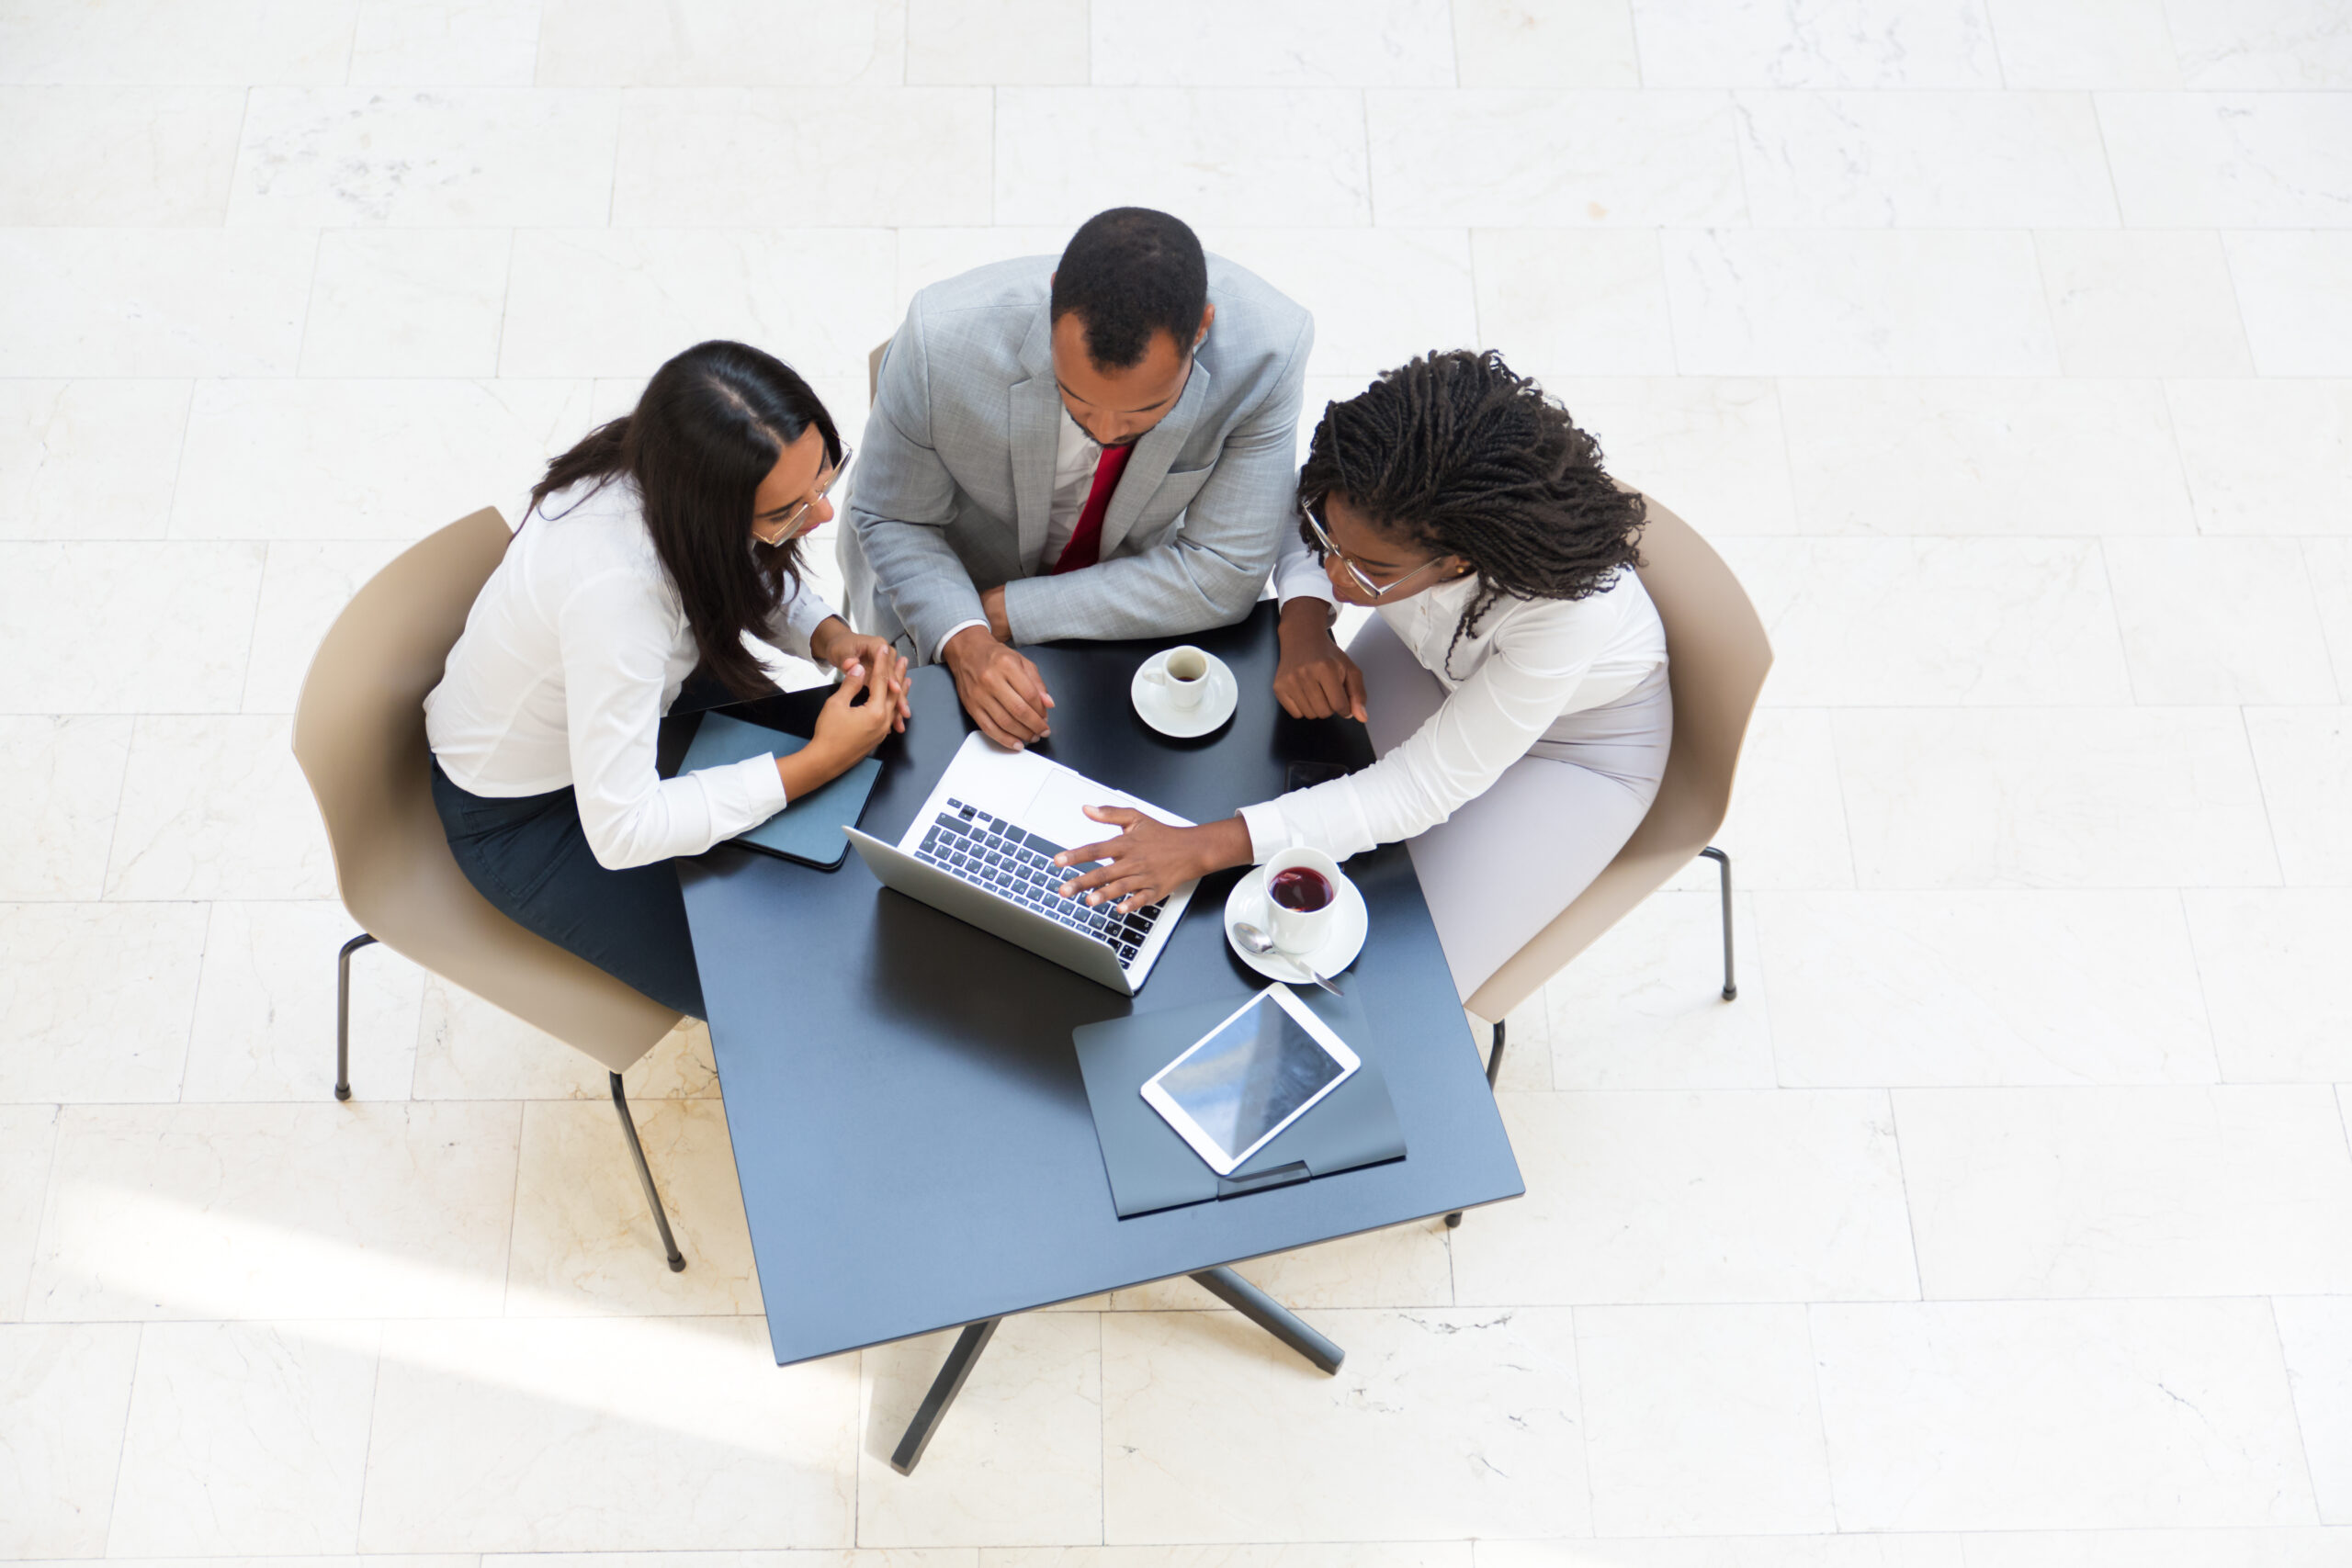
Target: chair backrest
(360,736)
(874,368)
(1716,659)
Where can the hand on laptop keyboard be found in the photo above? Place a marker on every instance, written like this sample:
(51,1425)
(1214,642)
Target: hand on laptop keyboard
(1018,866)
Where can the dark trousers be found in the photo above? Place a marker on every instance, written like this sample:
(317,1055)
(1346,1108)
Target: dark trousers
(530,858)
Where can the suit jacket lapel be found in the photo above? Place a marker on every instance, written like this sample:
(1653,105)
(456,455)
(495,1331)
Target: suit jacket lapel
(1034,414)
(1153,454)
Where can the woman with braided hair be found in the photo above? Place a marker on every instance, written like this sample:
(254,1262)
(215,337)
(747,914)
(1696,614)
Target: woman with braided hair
(1513,674)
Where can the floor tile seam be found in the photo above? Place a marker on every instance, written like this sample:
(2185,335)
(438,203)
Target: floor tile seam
(2204,993)
(195,999)
(1910,1213)
(2262,788)
(1584,1424)
(368,1448)
(2115,622)
(40,1226)
(2303,543)
(514,1199)
(2295,1408)
(122,1439)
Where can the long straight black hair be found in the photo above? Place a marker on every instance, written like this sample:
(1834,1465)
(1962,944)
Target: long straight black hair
(708,428)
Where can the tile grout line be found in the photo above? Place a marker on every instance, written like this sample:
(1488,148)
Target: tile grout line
(1821,1412)
(1584,1424)
(194,1002)
(1910,1215)
(122,1444)
(2115,620)
(2262,792)
(48,1185)
(514,1192)
(367,1449)
(2204,1001)
(2303,543)
(1102,1436)
(2303,1441)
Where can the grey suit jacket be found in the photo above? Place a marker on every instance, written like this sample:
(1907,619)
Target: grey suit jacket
(955,474)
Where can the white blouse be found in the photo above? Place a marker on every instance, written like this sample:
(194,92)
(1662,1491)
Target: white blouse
(1530,662)
(575,649)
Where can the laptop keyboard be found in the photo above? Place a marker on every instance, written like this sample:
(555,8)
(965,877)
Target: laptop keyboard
(991,853)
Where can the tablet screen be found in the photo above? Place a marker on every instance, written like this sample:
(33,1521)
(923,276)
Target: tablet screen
(1241,1082)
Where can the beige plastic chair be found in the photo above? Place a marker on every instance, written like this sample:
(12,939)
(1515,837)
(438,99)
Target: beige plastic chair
(360,736)
(1716,660)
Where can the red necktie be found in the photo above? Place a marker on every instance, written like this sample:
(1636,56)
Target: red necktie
(1085,546)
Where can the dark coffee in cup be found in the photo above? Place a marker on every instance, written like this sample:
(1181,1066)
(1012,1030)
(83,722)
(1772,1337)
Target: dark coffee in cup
(1299,887)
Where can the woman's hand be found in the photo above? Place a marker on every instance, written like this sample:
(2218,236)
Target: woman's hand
(850,727)
(852,653)
(1315,678)
(1150,860)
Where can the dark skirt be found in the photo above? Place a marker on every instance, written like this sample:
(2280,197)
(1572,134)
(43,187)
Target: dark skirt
(530,858)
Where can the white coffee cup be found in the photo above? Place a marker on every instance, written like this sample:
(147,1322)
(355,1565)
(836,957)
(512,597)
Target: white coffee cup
(1297,930)
(1183,675)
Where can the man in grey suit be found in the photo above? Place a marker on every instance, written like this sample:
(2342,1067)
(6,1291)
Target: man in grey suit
(1098,447)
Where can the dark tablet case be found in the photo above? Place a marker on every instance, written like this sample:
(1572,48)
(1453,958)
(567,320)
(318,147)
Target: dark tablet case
(808,829)
(1151,1168)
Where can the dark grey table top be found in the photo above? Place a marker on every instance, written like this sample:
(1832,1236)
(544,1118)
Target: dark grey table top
(909,1125)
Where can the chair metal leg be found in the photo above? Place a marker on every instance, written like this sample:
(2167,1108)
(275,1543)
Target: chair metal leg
(1270,1316)
(343,1013)
(644,1174)
(1723,864)
(1495,1055)
(944,1390)
(1494,1071)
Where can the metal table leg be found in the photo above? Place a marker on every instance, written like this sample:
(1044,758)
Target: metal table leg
(1270,1316)
(944,1390)
(1221,1282)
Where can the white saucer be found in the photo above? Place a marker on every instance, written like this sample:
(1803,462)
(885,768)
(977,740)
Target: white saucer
(1152,701)
(1247,902)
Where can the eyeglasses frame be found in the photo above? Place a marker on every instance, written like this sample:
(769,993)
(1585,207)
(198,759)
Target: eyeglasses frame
(1325,547)
(790,529)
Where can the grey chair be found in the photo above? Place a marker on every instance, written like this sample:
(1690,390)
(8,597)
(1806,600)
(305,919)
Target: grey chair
(360,736)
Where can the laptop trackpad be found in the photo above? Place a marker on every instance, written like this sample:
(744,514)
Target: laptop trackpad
(1058,810)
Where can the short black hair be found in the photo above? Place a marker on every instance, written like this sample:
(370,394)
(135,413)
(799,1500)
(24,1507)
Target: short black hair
(1128,273)
(1466,457)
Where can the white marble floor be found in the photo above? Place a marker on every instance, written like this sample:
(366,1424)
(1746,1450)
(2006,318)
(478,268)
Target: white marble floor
(2005,346)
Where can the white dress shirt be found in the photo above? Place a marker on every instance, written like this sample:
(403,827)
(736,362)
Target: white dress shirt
(1076,455)
(1530,662)
(575,649)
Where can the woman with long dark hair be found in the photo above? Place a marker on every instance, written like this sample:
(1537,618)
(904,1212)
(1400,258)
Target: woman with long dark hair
(1513,675)
(659,542)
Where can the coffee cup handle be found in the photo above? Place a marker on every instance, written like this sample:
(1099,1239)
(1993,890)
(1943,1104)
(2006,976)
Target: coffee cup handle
(1156,673)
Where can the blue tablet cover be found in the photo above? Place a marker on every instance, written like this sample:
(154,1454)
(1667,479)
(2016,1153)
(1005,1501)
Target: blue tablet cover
(808,829)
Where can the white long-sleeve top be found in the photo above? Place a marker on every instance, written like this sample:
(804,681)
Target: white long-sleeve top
(1530,662)
(575,649)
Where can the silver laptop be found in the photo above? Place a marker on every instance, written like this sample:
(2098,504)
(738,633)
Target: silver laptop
(982,848)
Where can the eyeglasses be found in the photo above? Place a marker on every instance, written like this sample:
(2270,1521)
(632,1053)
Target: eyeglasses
(1324,547)
(791,523)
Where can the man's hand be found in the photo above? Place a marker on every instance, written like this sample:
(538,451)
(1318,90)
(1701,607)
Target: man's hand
(1150,860)
(1315,678)
(1001,690)
(854,653)
(993,606)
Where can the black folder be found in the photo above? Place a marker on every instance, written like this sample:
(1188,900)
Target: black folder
(1152,1169)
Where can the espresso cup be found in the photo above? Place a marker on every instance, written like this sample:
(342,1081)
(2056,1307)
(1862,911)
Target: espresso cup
(1302,899)
(1183,675)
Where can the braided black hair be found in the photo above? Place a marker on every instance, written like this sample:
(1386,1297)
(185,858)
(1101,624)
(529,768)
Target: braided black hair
(1465,456)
